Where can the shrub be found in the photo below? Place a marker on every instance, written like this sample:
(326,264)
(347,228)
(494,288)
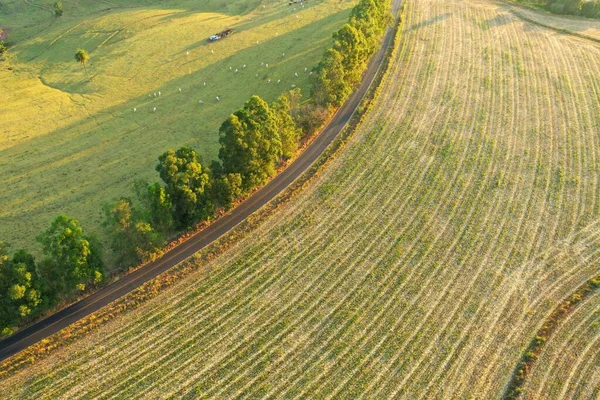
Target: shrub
(58,9)
(310,117)
(2,48)
(591,9)
(557,8)
(572,7)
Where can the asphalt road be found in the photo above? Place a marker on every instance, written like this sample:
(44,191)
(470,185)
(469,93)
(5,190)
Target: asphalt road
(86,306)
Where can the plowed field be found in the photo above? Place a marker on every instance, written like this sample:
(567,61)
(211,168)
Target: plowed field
(418,265)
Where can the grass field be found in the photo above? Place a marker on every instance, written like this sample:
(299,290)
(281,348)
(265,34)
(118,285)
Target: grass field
(419,264)
(67,145)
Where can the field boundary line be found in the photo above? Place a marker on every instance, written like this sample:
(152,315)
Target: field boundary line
(514,388)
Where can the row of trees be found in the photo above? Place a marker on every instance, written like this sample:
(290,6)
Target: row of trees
(254,141)
(72,260)
(343,64)
(585,8)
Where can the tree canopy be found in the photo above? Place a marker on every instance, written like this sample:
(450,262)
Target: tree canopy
(20,293)
(72,259)
(250,143)
(187,185)
(133,239)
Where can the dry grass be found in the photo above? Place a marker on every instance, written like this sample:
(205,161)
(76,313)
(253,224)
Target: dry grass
(418,265)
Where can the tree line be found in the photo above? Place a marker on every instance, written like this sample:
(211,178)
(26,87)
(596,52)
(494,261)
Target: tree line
(343,64)
(254,141)
(584,8)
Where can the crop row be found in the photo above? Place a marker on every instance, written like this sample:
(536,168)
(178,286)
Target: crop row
(418,265)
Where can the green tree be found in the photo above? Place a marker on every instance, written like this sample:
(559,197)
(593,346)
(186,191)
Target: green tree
(572,7)
(329,84)
(58,9)
(133,240)
(227,189)
(371,17)
(20,295)
(72,259)
(187,185)
(591,9)
(157,207)
(355,50)
(82,57)
(286,126)
(250,143)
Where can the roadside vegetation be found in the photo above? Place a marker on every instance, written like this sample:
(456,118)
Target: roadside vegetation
(420,263)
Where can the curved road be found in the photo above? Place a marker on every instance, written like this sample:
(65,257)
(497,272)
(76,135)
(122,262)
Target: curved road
(84,307)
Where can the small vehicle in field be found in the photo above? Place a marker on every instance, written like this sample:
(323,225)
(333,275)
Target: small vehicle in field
(220,35)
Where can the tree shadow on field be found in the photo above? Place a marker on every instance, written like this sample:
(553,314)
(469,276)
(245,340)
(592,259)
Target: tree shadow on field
(498,20)
(428,22)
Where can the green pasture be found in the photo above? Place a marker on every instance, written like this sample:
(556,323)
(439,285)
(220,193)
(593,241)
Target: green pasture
(68,143)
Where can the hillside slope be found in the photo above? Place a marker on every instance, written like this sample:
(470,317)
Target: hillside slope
(419,264)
